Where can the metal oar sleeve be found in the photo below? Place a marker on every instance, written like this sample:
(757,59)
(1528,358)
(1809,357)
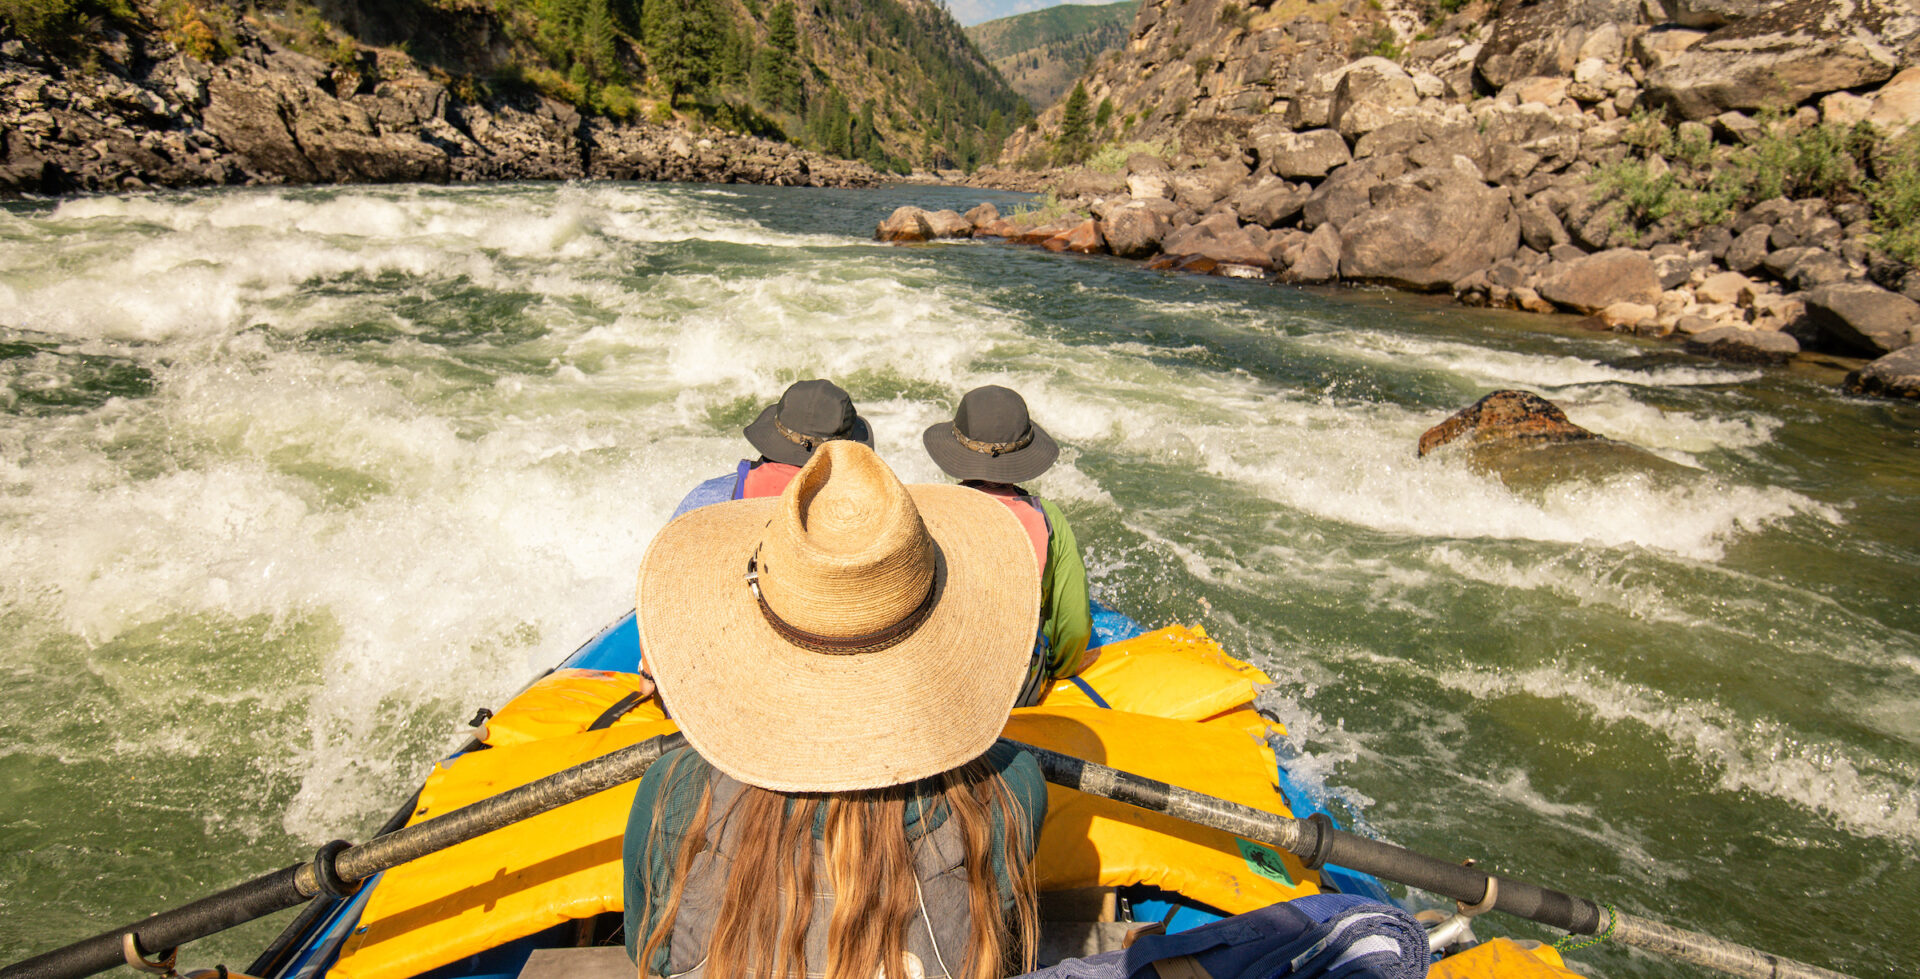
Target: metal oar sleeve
(1317,842)
(292,886)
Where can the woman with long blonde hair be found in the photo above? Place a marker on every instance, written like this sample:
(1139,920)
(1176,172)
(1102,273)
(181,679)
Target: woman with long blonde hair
(842,659)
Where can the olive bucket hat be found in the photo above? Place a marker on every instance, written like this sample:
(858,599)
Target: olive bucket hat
(851,633)
(808,415)
(991,438)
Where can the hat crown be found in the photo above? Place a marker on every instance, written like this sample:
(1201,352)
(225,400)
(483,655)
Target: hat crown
(992,414)
(816,408)
(847,553)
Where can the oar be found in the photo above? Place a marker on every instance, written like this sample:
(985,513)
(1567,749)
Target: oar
(338,867)
(1317,843)
(1314,840)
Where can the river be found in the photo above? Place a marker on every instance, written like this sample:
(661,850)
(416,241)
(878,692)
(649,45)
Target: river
(294,481)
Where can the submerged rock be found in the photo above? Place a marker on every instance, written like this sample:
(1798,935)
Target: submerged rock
(1528,442)
(1505,416)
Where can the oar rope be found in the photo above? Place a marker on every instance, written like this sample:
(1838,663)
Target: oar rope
(1314,840)
(1317,843)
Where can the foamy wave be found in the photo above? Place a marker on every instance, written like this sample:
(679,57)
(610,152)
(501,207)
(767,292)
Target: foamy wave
(1759,756)
(1497,368)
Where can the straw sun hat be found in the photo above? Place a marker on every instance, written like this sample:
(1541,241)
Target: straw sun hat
(851,633)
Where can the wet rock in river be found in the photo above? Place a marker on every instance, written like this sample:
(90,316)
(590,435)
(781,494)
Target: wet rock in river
(1505,416)
(905,224)
(1897,375)
(1529,442)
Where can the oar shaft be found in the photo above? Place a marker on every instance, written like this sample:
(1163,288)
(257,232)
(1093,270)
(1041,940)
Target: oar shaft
(1318,843)
(287,888)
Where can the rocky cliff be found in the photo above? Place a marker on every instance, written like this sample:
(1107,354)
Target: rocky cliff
(143,104)
(1742,175)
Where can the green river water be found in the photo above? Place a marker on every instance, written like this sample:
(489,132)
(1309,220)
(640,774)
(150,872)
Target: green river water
(293,481)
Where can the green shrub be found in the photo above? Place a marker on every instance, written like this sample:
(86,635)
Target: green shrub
(1234,15)
(201,31)
(1381,41)
(60,24)
(1698,184)
(1112,158)
(1895,197)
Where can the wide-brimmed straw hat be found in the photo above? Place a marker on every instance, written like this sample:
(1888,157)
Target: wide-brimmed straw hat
(991,438)
(851,633)
(808,415)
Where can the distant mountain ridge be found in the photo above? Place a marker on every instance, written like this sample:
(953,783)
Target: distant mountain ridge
(1041,53)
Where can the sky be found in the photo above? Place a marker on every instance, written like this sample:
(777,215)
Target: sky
(971,12)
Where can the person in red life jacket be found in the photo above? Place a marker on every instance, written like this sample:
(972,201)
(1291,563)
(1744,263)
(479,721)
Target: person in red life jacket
(992,445)
(808,415)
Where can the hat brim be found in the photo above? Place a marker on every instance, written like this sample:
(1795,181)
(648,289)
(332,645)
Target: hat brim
(782,717)
(777,447)
(960,462)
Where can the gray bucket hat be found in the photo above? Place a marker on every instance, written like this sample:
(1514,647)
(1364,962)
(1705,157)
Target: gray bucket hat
(991,438)
(808,415)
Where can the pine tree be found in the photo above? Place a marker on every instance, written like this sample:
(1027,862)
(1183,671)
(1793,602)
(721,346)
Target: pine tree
(682,39)
(777,79)
(1074,127)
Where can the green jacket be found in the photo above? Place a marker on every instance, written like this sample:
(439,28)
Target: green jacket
(1066,619)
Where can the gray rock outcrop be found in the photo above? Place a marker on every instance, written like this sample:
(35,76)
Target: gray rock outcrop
(1787,54)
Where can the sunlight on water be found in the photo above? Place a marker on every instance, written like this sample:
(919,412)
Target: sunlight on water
(292,481)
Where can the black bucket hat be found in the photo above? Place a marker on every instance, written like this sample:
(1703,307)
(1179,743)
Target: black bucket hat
(991,438)
(808,414)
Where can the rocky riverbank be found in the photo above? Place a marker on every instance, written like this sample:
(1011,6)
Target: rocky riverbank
(1540,158)
(143,114)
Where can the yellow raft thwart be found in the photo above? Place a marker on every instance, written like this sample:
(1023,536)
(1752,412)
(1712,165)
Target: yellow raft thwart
(1177,708)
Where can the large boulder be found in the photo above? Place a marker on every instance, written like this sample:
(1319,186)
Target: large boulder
(1895,108)
(1550,37)
(1744,346)
(1593,282)
(1367,95)
(1711,13)
(949,224)
(1787,55)
(1219,238)
(1285,153)
(905,224)
(1429,228)
(1897,375)
(1319,258)
(1135,230)
(1346,193)
(278,121)
(1270,202)
(1862,319)
(1198,190)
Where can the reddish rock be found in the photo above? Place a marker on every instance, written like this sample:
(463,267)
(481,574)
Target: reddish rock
(1505,416)
(1083,238)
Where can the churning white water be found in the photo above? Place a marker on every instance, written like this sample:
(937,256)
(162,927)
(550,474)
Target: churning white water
(292,481)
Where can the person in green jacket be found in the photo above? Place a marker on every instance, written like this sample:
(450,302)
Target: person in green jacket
(992,445)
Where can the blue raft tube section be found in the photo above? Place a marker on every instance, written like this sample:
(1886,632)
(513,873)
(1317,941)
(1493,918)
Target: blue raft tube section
(616,648)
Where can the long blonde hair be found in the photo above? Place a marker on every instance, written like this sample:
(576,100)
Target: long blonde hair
(761,931)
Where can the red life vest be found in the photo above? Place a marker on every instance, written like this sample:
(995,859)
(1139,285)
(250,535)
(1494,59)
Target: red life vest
(765,479)
(1031,519)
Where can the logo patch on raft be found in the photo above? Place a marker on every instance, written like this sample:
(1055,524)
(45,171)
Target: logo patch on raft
(1264,861)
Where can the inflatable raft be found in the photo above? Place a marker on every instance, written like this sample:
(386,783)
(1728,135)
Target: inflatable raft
(542,898)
